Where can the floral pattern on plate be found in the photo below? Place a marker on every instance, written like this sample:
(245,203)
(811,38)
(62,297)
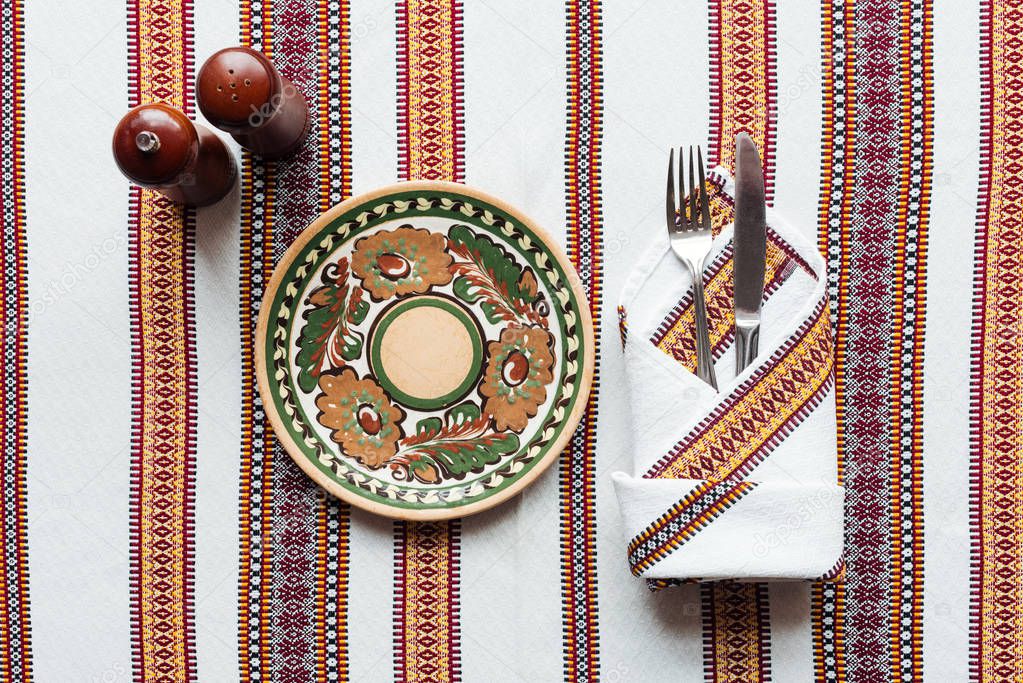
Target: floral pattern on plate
(424,352)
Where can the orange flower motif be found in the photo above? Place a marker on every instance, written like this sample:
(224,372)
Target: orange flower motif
(364,421)
(403,261)
(519,368)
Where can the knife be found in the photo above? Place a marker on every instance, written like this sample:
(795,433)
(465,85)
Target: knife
(750,249)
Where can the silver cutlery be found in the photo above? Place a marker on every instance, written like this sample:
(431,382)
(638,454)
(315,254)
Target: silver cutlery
(689,232)
(750,242)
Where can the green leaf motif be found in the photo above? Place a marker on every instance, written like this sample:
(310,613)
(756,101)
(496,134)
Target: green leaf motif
(486,273)
(351,347)
(494,313)
(327,340)
(428,427)
(462,442)
(465,412)
(459,458)
(358,313)
(465,290)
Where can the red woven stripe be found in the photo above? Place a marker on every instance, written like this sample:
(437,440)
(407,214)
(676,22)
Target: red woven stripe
(15,637)
(585,249)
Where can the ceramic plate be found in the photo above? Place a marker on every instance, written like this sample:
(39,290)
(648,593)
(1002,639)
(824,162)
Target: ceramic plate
(424,351)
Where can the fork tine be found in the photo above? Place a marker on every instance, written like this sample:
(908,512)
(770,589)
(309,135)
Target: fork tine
(694,195)
(683,218)
(670,197)
(704,199)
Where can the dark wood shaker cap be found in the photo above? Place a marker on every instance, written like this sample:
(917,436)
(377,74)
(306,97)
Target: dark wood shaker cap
(240,91)
(158,147)
(154,144)
(236,89)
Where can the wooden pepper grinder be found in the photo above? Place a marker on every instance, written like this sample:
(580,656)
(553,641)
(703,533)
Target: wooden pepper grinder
(157,146)
(240,91)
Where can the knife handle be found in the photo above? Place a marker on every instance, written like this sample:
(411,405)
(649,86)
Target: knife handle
(747,340)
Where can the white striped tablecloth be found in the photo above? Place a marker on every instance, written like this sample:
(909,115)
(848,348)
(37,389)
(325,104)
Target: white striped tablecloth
(155,531)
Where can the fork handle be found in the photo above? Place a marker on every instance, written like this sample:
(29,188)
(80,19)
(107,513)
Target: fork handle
(704,359)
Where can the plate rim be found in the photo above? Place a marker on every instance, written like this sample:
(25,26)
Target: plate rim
(381,508)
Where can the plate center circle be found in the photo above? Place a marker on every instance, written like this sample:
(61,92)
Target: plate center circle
(427,351)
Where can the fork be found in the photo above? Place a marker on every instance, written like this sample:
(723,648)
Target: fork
(691,239)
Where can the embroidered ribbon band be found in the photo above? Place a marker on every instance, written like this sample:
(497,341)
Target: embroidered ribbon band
(680,523)
(742,430)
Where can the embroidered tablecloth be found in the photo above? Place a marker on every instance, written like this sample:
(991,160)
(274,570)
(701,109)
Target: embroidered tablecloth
(154,530)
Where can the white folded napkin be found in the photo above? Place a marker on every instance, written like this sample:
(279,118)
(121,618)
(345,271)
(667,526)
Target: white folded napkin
(739,484)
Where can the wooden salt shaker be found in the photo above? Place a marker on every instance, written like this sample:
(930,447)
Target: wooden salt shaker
(157,146)
(240,91)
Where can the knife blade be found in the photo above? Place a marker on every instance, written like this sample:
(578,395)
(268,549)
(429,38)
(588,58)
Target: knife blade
(750,249)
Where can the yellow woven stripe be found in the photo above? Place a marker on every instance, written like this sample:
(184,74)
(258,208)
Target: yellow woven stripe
(430,135)
(432,116)
(738,651)
(162,61)
(741,36)
(768,405)
(427,600)
(161,480)
(678,340)
(1000,649)
(744,34)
